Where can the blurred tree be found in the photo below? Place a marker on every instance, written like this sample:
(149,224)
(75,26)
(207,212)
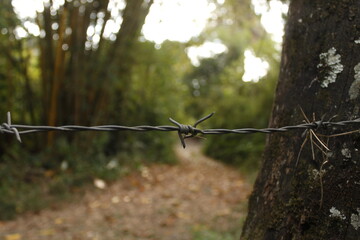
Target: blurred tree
(83,50)
(318,198)
(217,83)
(162,70)
(12,67)
(155,92)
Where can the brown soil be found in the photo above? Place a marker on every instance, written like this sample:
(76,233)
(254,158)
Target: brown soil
(158,202)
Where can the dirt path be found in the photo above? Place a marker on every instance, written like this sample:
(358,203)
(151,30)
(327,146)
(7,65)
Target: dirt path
(159,202)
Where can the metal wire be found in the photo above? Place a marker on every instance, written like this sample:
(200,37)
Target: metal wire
(184,131)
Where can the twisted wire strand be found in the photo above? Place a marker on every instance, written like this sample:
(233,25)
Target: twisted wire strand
(184,131)
(304,126)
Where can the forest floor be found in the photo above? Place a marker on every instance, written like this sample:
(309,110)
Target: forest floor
(159,202)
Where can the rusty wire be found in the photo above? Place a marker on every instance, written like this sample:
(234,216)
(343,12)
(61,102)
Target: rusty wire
(184,131)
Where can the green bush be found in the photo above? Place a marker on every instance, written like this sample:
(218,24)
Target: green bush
(31,182)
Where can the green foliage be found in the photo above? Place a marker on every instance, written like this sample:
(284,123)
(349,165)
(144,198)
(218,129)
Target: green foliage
(155,93)
(248,105)
(33,178)
(142,85)
(216,85)
(31,181)
(156,78)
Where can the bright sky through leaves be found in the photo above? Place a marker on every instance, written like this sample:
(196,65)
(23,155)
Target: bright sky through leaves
(271,16)
(178,20)
(174,20)
(255,68)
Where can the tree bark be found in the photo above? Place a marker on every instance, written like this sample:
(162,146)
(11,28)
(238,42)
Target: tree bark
(318,197)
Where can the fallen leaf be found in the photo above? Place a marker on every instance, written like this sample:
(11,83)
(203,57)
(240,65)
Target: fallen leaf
(168,222)
(193,187)
(49,173)
(183,215)
(167,195)
(223,212)
(175,203)
(115,199)
(14,236)
(112,164)
(109,219)
(159,177)
(239,183)
(145,173)
(64,165)
(95,204)
(99,183)
(215,192)
(145,200)
(58,221)
(127,199)
(47,232)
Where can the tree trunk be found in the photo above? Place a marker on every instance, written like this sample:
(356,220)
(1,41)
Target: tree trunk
(75,77)
(318,197)
(59,72)
(119,59)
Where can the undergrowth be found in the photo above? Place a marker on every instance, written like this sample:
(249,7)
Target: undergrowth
(33,181)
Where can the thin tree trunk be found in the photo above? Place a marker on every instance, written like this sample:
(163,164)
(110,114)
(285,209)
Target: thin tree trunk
(318,197)
(78,63)
(58,75)
(118,58)
(47,59)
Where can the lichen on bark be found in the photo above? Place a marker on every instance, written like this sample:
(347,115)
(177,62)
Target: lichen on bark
(330,64)
(355,86)
(288,202)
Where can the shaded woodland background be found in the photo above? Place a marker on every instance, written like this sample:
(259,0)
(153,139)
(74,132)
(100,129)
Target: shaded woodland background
(73,74)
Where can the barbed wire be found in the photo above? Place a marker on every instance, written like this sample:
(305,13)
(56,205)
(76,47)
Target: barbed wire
(184,131)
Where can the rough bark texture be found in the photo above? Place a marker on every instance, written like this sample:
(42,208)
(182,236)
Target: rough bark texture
(320,46)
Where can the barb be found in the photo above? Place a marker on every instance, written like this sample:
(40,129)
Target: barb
(8,128)
(187,131)
(184,131)
(310,135)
